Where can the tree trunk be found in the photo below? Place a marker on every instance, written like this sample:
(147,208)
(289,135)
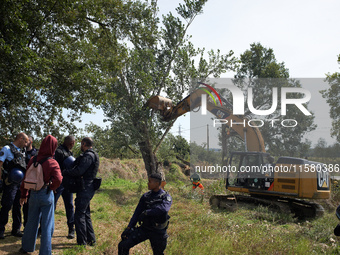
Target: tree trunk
(149,157)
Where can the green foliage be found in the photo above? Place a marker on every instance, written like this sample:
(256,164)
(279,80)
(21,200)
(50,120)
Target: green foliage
(200,154)
(181,147)
(260,71)
(47,67)
(175,174)
(216,188)
(173,146)
(158,59)
(111,143)
(322,150)
(260,62)
(332,96)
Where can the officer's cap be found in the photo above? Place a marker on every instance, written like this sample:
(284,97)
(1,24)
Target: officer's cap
(156,176)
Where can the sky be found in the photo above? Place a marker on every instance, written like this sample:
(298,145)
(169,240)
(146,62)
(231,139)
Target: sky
(303,35)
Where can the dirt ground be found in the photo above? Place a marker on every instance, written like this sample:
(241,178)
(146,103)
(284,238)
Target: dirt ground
(11,245)
(129,169)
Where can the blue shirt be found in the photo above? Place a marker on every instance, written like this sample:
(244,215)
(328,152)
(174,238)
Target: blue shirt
(6,153)
(157,210)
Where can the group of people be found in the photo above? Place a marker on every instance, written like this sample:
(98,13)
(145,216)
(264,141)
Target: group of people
(39,205)
(149,221)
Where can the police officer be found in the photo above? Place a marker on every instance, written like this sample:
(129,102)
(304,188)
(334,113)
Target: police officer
(152,215)
(12,156)
(63,152)
(86,168)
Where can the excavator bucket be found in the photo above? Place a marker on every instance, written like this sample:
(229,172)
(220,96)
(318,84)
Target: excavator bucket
(160,103)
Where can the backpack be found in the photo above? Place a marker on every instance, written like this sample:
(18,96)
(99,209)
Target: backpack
(34,178)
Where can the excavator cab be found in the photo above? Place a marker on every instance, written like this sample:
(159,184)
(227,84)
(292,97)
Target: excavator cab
(256,173)
(249,170)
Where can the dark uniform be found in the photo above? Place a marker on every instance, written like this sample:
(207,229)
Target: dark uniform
(152,213)
(61,154)
(86,166)
(28,154)
(11,191)
(31,153)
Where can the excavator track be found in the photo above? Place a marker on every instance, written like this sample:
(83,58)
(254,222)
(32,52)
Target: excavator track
(301,209)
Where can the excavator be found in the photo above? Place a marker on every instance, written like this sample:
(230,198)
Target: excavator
(289,185)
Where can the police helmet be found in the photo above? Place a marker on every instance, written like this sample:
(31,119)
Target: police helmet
(195,177)
(68,162)
(16,175)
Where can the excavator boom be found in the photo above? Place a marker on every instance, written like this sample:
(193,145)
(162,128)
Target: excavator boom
(251,135)
(282,190)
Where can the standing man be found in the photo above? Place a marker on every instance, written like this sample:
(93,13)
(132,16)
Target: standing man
(152,215)
(12,156)
(63,152)
(86,168)
(30,152)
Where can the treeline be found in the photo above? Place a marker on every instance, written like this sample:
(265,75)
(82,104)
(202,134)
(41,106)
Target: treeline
(325,151)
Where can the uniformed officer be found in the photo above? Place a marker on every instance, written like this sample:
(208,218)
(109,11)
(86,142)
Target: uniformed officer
(86,168)
(152,215)
(63,152)
(12,156)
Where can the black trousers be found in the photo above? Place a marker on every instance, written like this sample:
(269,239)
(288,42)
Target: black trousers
(82,216)
(158,240)
(10,200)
(68,202)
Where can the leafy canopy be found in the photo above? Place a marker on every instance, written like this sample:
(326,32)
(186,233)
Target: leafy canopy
(332,95)
(49,71)
(260,71)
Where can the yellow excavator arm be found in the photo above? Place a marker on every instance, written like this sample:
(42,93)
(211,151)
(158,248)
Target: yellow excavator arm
(291,185)
(251,135)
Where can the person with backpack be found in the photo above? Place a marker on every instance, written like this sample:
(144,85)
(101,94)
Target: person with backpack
(62,153)
(85,169)
(12,159)
(41,201)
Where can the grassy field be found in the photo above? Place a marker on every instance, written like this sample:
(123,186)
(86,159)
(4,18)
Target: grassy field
(194,227)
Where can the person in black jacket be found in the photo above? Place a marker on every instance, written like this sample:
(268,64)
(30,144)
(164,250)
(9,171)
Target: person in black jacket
(30,152)
(85,168)
(63,152)
(152,215)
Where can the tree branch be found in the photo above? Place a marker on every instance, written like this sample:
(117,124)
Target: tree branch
(165,133)
(46,16)
(98,22)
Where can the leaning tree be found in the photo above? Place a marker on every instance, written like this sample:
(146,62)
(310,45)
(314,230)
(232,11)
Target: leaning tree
(158,59)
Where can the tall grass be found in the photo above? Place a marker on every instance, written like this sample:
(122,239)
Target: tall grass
(195,228)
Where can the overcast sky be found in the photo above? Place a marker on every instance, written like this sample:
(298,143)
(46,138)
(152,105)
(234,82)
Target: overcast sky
(304,34)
